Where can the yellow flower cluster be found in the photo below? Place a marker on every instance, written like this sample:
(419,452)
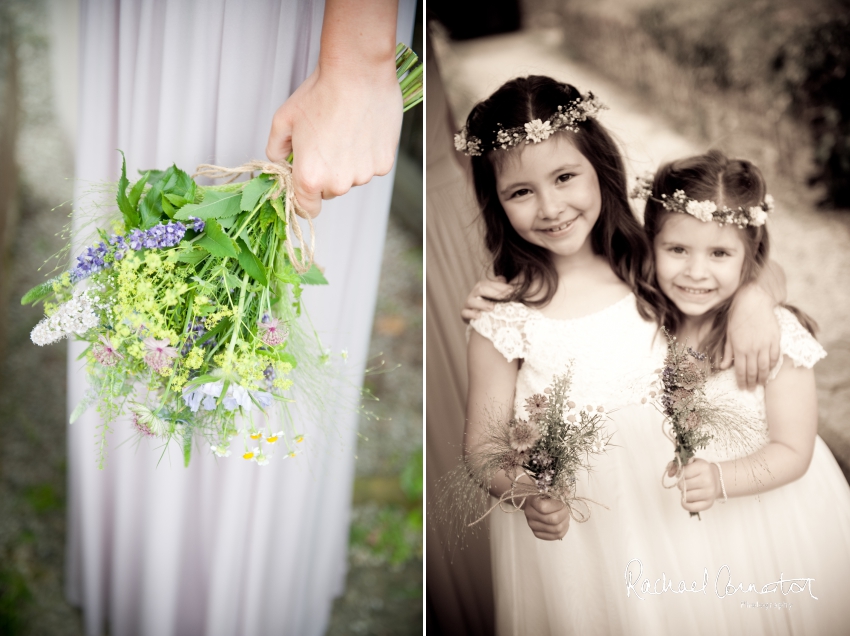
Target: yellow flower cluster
(213,319)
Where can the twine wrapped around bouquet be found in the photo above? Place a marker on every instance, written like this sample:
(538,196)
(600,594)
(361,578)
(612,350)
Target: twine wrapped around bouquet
(282,174)
(519,490)
(680,476)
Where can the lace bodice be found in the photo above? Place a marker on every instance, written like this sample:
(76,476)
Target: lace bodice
(613,352)
(798,345)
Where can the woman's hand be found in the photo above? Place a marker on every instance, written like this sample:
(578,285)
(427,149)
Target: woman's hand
(549,519)
(478,299)
(752,339)
(700,485)
(342,124)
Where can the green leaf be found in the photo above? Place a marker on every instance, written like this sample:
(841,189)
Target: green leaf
(192,256)
(231,280)
(280,229)
(216,242)
(277,204)
(289,277)
(267,215)
(151,206)
(255,189)
(175,199)
(177,181)
(215,205)
(155,175)
(131,217)
(221,327)
(251,264)
(81,408)
(187,446)
(314,276)
(167,207)
(137,189)
(37,293)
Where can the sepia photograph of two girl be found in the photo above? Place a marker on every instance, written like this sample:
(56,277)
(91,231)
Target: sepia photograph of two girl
(637,252)
(518,317)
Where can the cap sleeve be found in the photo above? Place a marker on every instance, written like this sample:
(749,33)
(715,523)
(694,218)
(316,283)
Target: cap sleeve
(505,327)
(796,342)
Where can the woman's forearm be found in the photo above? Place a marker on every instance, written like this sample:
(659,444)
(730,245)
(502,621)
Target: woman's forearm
(358,35)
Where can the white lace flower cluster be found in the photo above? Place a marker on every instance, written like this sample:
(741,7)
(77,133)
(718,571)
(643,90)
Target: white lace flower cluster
(76,316)
(536,130)
(705,211)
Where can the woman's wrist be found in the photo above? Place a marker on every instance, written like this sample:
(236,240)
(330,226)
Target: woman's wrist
(358,37)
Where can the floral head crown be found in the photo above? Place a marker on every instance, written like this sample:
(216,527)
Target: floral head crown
(705,211)
(534,131)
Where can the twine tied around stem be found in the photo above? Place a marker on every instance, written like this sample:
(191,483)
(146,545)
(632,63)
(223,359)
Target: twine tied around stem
(282,175)
(680,478)
(524,491)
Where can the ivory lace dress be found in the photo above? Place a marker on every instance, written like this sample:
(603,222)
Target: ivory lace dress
(580,585)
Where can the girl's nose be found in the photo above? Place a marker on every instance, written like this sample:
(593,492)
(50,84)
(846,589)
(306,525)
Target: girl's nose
(550,206)
(696,268)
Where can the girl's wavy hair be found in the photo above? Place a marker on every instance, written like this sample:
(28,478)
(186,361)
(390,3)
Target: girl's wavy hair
(617,234)
(731,182)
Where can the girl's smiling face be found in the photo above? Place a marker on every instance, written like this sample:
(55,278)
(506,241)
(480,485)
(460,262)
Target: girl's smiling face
(698,265)
(550,193)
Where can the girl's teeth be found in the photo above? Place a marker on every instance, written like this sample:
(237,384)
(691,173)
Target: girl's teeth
(696,291)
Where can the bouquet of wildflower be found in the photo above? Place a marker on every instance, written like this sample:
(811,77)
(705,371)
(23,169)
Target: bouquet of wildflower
(189,303)
(541,454)
(696,421)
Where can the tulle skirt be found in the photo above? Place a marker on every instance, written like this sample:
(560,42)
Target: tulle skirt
(644,566)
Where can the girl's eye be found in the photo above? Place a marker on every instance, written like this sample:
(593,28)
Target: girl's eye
(520,193)
(719,253)
(677,249)
(565,177)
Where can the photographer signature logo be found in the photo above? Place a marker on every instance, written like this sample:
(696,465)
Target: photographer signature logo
(723,585)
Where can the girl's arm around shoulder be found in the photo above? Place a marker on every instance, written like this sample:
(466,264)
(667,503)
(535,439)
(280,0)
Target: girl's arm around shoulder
(752,339)
(483,296)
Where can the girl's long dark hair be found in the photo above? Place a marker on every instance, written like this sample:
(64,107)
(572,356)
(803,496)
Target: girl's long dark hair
(617,234)
(728,182)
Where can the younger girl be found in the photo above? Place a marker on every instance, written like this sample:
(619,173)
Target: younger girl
(705,217)
(551,186)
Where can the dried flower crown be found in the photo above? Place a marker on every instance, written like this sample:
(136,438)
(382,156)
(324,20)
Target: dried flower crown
(534,131)
(705,211)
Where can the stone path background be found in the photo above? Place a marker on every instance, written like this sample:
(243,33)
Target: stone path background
(812,245)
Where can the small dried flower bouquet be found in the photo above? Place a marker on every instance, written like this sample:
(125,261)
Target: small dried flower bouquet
(697,420)
(543,453)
